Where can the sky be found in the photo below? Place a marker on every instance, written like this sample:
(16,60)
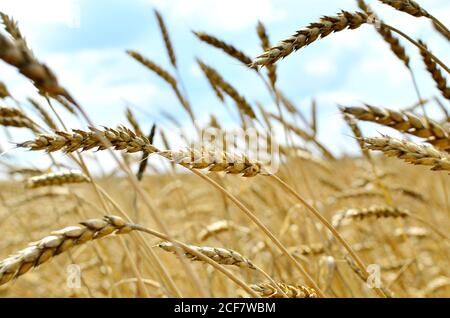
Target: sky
(84,43)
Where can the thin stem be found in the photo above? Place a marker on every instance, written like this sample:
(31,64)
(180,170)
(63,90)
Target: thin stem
(416,88)
(263,228)
(199,255)
(333,231)
(419,46)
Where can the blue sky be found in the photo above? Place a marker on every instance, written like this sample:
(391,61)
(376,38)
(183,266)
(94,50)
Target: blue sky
(84,42)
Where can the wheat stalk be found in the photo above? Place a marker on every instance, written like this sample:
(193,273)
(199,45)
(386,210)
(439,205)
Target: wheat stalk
(410,152)
(56,179)
(306,36)
(18,122)
(268,290)
(123,138)
(406,122)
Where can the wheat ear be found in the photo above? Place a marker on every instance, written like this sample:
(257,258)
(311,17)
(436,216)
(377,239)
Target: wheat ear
(217,81)
(123,138)
(222,256)
(227,48)
(166,38)
(410,152)
(413,8)
(16,54)
(432,68)
(44,114)
(375,211)
(406,122)
(166,76)
(268,290)
(59,242)
(265,45)
(306,36)
(4,92)
(56,179)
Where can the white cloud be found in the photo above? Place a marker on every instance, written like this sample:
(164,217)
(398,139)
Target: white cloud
(44,11)
(320,67)
(228,15)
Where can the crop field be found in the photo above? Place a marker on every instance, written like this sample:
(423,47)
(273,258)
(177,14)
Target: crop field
(263,209)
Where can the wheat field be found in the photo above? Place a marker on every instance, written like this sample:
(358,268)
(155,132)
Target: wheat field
(209,222)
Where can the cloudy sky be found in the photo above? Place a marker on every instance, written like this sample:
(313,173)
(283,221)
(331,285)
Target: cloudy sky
(84,42)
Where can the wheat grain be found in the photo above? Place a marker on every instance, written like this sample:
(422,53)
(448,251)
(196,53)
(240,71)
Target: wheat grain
(306,36)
